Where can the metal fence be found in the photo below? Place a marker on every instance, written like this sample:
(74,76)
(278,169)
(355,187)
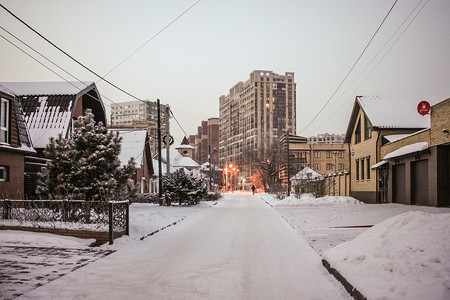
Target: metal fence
(113,215)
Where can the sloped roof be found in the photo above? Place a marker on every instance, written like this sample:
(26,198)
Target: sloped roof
(178,160)
(306,174)
(47,117)
(48,106)
(133,145)
(395,112)
(408,149)
(49,88)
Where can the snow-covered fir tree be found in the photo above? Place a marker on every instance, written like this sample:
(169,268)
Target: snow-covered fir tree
(183,187)
(86,165)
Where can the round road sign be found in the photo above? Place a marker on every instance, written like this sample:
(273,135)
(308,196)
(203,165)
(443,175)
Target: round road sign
(423,108)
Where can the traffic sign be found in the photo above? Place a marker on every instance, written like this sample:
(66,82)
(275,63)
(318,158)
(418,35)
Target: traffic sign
(423,108)
(168,139)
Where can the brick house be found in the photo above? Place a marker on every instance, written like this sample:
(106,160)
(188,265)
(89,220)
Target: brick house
(48,110)
(15,145)
(417,166)
(374,122)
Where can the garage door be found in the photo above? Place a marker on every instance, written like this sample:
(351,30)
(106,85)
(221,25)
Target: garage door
(419,182)
(399,184)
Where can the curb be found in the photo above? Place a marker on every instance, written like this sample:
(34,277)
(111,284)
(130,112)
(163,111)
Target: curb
(350,288)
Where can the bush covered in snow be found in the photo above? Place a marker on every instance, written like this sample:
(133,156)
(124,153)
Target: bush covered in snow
(183,187)
(86,165)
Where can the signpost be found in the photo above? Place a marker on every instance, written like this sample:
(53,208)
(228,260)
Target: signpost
(423,108)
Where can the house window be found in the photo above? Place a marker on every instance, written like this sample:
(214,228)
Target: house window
(362,168)
(317,154)
(317,167)
(340,166)
(368,167)
(357,169)
(4,121)
(341,154)
(358,132)
(329,167)
(367,129)
(3,173)
(329,154)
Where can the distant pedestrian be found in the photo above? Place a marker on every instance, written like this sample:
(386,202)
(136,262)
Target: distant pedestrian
(253,189)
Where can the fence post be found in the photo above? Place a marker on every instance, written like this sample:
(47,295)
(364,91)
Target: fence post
(128,218)
(6,209)
(111,221)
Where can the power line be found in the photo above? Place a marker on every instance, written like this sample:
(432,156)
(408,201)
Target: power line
(178,123)
(351,69)
(69,82)
(153,37)
(71,57)
(378,53)
(52,62)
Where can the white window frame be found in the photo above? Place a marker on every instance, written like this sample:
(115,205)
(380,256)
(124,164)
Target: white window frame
(6,117)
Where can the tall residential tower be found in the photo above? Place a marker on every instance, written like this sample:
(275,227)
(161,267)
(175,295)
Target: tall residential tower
(255,114)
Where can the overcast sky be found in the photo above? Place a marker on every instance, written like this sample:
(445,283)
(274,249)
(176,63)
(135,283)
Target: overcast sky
(218,43)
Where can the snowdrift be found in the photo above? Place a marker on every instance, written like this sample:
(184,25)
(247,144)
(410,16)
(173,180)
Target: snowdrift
(404,257)
(309,200)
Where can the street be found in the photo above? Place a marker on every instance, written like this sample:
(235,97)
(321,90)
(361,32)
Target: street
(239,249)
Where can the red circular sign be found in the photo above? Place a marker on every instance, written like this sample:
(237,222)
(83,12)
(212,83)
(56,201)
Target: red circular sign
(423,108)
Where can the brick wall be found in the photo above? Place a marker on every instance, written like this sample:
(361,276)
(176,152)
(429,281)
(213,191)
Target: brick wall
(439,121)
(12,188)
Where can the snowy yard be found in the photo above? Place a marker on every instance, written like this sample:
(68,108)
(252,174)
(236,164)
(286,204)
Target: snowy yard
(406,255)
(386,251)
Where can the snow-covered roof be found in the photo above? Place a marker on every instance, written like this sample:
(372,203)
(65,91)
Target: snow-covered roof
(305,174)
(187,162)
(205,166)
(392,112)
(133,145)
(405,150)
(395,137)
(47,118)
(178,160)
(185,147)
(397,111)
(163,168)
(48,106)
(48,88)
(378,164)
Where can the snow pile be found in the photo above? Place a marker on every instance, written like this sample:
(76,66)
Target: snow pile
(404,257)
(310,200)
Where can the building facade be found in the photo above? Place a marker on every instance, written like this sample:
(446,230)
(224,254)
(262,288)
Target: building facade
(136,113)
(324,157)
(206,140)
(255,114)
(375,121)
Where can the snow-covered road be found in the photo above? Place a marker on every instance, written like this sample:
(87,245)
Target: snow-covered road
(238,249)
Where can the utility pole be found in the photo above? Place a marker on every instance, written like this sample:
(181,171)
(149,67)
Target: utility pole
(210,168)
(159,155)
(167,141)
(288,193)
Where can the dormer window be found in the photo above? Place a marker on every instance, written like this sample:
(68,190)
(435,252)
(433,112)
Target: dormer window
(4,121)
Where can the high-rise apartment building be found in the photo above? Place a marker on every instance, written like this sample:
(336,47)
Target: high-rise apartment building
(255,114)
(207,136)
(136,113)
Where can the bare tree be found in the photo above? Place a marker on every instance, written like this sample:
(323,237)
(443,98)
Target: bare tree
(267,163)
